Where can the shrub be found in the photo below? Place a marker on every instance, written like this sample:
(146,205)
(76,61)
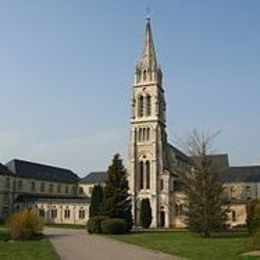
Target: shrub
(253,216)
(94,224)
(24,225)
(145,214)
(114,226)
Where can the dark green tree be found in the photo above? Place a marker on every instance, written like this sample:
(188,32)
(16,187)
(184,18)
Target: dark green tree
(145,213)
(117,203)
(96,201)
(207,209)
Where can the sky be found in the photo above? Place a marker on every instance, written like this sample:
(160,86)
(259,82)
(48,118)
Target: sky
(67,68)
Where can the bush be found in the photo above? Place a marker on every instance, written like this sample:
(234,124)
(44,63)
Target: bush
(24,225)
(94,224)
(253,216)
(146,213)
(114,226)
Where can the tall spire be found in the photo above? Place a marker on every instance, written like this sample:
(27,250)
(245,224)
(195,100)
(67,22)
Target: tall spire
(148,57)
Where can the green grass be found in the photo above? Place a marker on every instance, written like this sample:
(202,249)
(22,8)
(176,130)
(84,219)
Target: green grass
(40,249)
(182,243)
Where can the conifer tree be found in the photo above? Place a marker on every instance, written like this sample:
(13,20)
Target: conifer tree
(96,201)
(206,203)
(145,213)
(117,203)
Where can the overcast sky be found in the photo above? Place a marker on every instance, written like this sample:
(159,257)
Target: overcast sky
(66,72)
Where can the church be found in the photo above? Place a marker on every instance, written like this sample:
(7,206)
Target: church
(154,168)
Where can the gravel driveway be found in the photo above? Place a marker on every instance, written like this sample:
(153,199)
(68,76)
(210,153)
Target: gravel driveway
(72,244)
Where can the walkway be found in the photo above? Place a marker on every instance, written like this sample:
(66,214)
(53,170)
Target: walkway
(72,244)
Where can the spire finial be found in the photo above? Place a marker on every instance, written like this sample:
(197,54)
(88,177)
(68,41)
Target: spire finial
(148,13)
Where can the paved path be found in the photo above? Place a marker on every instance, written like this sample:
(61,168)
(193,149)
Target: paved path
(73,244)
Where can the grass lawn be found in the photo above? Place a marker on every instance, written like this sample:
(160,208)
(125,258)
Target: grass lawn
(185,244)
(27,250)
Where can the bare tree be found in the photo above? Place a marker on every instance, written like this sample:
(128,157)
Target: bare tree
(206,204)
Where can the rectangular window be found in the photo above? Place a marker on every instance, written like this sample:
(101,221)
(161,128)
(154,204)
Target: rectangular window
(20,185)
(59,188)
(42,188)
(33,186)
(66,189)
(51,188)
(54,213)
(41,213)
(66,213)
(81,214)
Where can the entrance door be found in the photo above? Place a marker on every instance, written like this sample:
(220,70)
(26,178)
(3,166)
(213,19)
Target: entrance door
(162,219)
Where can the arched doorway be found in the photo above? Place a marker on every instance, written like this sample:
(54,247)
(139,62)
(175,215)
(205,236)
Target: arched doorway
(162,219)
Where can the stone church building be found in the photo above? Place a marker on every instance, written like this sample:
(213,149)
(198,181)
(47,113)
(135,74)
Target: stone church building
(155,167)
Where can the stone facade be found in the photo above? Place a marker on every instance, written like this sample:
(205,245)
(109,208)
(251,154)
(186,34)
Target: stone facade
(155,167)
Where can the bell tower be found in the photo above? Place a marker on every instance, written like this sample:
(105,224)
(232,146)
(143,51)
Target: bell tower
(148,140)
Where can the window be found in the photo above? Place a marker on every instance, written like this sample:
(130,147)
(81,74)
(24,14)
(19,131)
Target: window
(74,189)
(90,189)
(140,134)
(51,188)
(7,183)
(81,214)
(140,106)
(148,105)
(59,188)
(54,213)
(232,189)
(161,184)
(144,75)
(42,187)
(20,185)
(147,134)
(234,217)
(147,167)
(66,213)
(141,171)
(66,189)
(178,209)
(41,213)
(33,186)
(81,191)
(144,134)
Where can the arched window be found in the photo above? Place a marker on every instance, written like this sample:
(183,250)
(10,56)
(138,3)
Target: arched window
(148,105)
(147,167)
(144,134)
(147,134)
(144,75)
(140,106)
(141,171)
(234,217)
(161,184)
(140,134)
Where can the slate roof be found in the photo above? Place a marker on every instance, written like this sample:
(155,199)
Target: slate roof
(179,154)
(95,178)
(241,174)
(31,170)
(28,198)
(220,160)
(4,170)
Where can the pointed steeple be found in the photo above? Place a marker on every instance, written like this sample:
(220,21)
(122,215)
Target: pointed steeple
(148,57)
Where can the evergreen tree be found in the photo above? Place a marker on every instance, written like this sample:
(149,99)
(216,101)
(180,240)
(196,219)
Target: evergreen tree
(145,213)
(96,201)
(206,203)
(117,203)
